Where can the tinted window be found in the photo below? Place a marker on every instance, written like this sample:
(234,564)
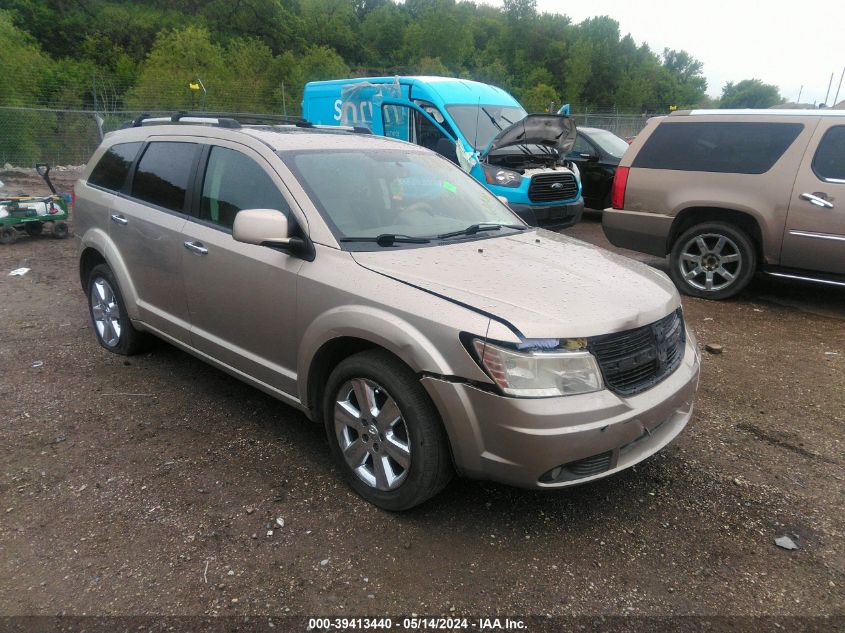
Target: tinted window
(163,173)
(234,182)
(111,171)
(829,161)
(744,148)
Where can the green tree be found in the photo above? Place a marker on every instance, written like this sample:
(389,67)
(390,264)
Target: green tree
(539,98)
(749,93)
(177,58)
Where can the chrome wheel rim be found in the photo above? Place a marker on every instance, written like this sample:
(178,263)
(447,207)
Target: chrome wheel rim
(372,434)
(710,262)
(105,312)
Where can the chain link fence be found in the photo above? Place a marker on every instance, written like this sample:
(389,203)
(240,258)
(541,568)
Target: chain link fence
(69,137)
(622,125)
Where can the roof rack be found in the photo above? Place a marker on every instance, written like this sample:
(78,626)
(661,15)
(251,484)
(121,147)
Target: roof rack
(234,121)
(221,119)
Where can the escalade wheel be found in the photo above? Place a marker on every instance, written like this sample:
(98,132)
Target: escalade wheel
(384,431)
(112,326)
(714,260)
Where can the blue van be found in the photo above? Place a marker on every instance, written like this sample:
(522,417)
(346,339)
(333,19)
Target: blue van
(516,155)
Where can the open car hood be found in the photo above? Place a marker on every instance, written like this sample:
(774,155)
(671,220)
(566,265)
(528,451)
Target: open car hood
(550,130)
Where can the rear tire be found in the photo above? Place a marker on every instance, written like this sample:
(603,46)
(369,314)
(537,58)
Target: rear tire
(8,235)
(712,260)
(392,451)
(111,323)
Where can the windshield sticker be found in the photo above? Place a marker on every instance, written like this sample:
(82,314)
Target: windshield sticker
(448,186)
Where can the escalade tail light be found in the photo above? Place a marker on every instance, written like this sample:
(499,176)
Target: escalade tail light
(617,192)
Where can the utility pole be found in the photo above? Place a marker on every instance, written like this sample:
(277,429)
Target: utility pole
(284,102)
(836,98)
(800,90)
(829,84)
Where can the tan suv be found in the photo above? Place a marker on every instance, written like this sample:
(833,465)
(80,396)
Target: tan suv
(378,288)
(727,193)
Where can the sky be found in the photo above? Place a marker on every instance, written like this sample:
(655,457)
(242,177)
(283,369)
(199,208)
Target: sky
(785,44)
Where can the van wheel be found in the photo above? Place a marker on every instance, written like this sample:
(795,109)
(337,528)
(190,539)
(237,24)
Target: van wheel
(713,260)
(384,431)
(112,326)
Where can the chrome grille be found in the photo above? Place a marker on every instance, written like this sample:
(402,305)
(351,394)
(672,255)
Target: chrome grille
(635,360)
(553,186)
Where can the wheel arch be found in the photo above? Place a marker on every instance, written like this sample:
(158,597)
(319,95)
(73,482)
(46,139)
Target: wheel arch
(743,220)
(345,331)
(88,258)
(96,248)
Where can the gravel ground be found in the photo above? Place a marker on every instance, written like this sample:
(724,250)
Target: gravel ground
(153,485)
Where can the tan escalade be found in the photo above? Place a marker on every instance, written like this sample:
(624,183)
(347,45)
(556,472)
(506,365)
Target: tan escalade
(388,295)
(727,193)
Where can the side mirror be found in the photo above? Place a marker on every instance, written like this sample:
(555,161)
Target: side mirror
(268,227)
(261,227)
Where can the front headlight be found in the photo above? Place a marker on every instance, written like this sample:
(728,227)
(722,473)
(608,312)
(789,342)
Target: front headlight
(501,177)
(539,374)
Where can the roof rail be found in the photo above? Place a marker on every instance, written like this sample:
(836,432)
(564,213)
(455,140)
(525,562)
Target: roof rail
(234,121)
(221,119)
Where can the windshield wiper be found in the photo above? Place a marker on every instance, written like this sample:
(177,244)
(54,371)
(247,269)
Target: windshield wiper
(492,120)
(388,239)
(484,226)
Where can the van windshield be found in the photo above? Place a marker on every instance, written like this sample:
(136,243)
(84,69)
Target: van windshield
(367,193)
(481,123)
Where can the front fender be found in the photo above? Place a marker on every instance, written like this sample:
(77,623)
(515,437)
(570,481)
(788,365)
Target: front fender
(391,332)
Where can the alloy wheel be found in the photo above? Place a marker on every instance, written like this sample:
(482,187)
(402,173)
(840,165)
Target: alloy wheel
(710,262)
(372,434)
(106,312)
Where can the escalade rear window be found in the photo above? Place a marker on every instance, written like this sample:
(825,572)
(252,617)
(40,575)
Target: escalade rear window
(110,173)
(723,147)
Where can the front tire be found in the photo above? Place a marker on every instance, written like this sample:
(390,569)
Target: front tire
(385,433)
(111,323)
(712,260)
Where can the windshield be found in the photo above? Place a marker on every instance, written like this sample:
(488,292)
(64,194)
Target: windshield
(609,142)
(481,123)
(369,193)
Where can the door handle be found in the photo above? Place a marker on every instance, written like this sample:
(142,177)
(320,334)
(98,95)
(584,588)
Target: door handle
(119,219)
(196,247)
(817,200)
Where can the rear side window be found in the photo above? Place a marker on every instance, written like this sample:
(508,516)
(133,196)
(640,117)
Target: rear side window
(829,161)
(163,173)
(110,173)
(729,147)
(234,182)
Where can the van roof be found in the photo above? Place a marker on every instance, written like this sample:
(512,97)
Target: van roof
(760,112)
(452,90)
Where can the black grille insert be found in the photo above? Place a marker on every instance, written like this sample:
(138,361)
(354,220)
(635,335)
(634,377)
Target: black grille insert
(552,187)
(635,360)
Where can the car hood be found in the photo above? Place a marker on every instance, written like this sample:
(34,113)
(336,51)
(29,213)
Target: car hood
(549,130)
(545,285)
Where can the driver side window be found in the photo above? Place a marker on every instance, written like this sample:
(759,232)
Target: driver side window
(234,182)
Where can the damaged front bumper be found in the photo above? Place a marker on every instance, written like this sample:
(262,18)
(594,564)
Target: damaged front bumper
(558,442)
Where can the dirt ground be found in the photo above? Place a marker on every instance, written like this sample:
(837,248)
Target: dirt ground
(152,485)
